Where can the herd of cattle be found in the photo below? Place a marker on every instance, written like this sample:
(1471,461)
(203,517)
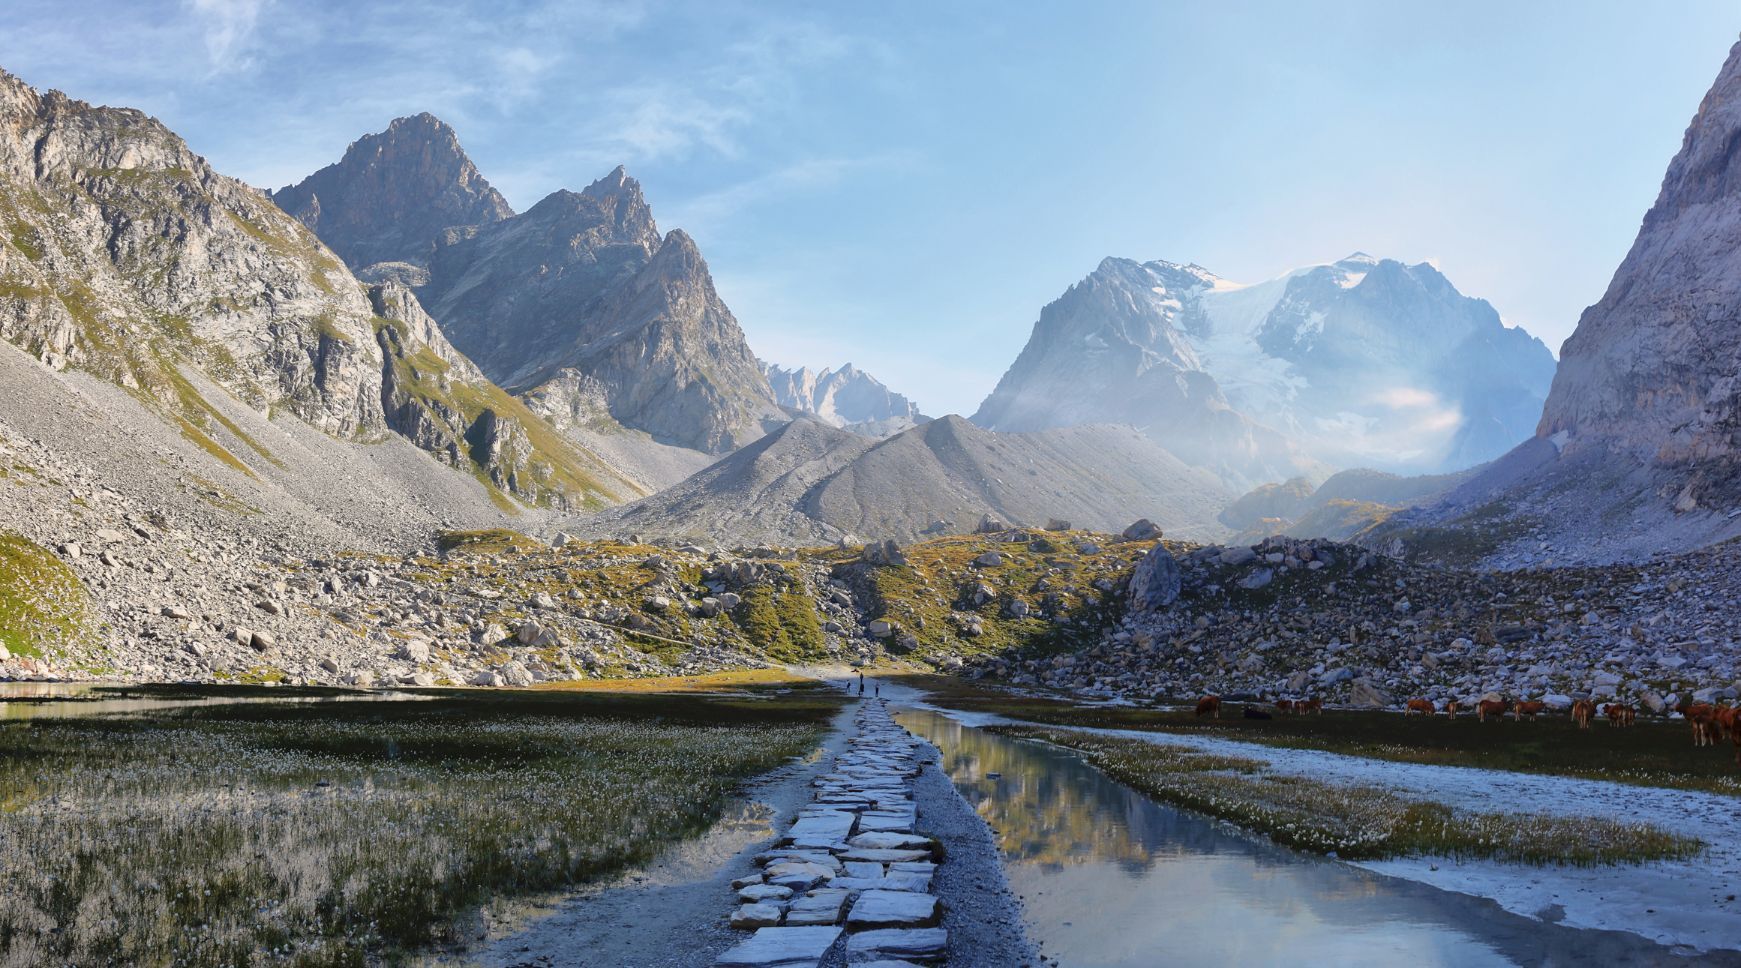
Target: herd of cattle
(1711,723)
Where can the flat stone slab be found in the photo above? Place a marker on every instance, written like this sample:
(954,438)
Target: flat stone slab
(754,893)
(891,839)
(921,943)
(892,909)
(797,875)
(821,906)
(877,855)
(782,948)
(760,915)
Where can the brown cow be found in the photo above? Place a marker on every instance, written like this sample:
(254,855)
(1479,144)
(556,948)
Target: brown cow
(1620,714)
(1209,706)
(1423,706)
(1725,719)
(1582,710)
(1309,706)
(1703,717)
(1285,705)
(1451,709)
(1521,709)
(1489,707)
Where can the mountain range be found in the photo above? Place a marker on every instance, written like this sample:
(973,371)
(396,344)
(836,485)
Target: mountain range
(1362,362)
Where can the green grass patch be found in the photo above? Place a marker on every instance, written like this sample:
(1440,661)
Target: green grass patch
(1355,821)
(781,623)
(43,605)
(489,541)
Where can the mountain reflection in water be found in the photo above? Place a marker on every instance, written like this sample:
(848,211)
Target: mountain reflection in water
(1111,878)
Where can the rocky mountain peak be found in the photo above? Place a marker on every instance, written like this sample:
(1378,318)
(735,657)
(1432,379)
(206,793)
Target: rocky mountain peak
(1650,370)
(848,398)
(393,192)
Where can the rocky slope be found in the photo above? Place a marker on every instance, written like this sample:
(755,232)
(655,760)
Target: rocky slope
(848,398)
(1360,362)
(394,193)
(809,483)
(579,300)
(1636,450)
(1293,618)
(126,256)
(1345,505)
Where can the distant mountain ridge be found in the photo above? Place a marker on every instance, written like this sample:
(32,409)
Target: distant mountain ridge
(1363,361)
(810,483)
(580,285)
(848,398)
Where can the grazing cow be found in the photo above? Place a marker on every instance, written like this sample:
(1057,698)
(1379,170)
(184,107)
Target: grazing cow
(1725,719)
(1209,706)
(1285,705)
(1521,709)
(1620,714)
(1451,709)
(1703,717)
(1489,707)
(1309,706)
(1423,706)
(1582,710)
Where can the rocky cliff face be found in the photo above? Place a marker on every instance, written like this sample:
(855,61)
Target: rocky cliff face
(393,194)
(582,284)
(848,398)
(1652,369)
(1360,362)
(125,255)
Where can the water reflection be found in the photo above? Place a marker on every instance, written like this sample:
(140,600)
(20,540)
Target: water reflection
(1111,878)
(74,700)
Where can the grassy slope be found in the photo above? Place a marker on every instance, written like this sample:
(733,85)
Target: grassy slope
(931,595)
(43,606)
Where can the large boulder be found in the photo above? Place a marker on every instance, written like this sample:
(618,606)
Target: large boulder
(883,553)
(1156,581)
(1361,692)
(1141,530)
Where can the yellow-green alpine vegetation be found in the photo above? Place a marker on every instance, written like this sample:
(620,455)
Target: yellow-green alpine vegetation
(1053,592)
(43,606)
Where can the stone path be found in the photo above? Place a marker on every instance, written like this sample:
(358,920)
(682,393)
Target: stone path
(851,865)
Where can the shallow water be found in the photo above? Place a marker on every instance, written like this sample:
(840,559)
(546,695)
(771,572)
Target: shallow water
(1109,878)
(68,700)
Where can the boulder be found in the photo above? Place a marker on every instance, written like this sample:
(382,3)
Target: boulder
(1156,581)
(990,525)
(516,674)
(1362,692)
(879,629)
(1258,578)
(883,554)
(1141,530)
(990,559)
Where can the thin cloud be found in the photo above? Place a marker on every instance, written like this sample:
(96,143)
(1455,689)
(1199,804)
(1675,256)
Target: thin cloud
(228,27)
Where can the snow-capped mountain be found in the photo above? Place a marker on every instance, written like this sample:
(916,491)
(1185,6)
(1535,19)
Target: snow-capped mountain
(848,398)
(1361,362)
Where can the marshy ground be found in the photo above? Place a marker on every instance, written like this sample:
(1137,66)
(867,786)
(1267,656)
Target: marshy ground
(328,832)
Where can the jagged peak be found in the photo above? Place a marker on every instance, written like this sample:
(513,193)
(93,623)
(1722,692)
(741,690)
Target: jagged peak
(1358,258)
(617,182)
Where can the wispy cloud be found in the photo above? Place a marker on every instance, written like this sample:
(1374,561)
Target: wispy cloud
(705,211)
(228,27)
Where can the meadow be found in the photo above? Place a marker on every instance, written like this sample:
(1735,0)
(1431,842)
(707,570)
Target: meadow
(351,832)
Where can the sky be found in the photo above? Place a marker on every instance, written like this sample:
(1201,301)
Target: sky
(904,185)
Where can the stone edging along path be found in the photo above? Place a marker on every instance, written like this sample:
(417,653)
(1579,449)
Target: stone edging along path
(851,864)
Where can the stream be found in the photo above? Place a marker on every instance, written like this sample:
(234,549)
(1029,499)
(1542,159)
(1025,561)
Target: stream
(1110,878)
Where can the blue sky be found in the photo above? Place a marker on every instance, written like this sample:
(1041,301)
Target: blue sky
(904,185)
